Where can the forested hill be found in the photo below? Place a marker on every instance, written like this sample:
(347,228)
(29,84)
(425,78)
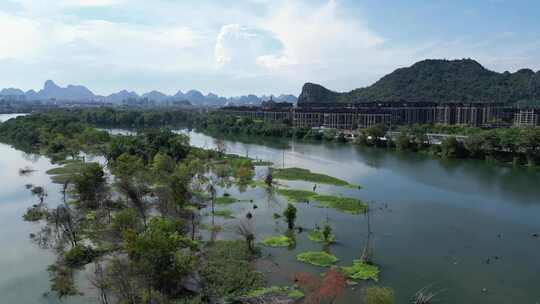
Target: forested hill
(438,81)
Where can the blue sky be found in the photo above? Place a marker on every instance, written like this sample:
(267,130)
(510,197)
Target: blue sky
(253,46)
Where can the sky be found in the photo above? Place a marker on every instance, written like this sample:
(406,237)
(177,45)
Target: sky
(237,47)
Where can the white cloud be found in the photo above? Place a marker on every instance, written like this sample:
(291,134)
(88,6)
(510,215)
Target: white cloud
(21,37)
(239,48)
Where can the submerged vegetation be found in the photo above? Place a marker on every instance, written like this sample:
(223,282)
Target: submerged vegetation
(226,200)
(361,271)
(317,258)
(378,295)
(300,174)
(277,241)
(343,204)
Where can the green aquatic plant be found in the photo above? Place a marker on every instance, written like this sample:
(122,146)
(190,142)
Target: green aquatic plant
(224,213)
(317,258)
(361,271)
(277,241)
(308,176)
(290,292)
(296,196)
(226,200)
(344,204)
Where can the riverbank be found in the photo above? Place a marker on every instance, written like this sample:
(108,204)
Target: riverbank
(515,146)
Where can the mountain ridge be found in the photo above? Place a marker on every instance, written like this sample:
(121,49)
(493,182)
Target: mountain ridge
(79,93)
(437,80)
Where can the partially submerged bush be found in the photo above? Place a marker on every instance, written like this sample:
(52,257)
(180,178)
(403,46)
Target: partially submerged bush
(317,258)
(79,255)
(322,236)
(35,213)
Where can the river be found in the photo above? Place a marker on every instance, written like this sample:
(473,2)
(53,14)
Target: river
(465,228)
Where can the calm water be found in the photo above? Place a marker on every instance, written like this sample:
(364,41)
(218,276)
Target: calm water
(436,223)
(23,266)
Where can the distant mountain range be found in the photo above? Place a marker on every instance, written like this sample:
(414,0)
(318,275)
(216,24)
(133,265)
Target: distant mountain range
(52,91)
(437,81)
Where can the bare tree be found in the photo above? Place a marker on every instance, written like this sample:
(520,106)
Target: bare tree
(367,252)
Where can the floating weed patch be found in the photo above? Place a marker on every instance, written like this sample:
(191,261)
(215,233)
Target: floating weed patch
(277,241)
(308,176)
(343,204)
(295,294)
(318,236)
(361,271)
(290,292)
(317,258)
(296,196)
(226,200)
(224,213)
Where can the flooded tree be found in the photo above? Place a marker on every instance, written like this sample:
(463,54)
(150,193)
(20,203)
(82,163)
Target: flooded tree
(246,231)
(290,215)
(40,193)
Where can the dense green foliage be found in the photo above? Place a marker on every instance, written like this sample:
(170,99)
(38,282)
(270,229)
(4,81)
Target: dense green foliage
(518,146)
(438,81)
(231,258)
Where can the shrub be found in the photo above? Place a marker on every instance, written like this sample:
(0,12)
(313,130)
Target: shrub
(79,255)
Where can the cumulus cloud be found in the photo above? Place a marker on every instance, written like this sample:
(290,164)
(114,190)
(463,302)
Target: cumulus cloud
(238,48)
